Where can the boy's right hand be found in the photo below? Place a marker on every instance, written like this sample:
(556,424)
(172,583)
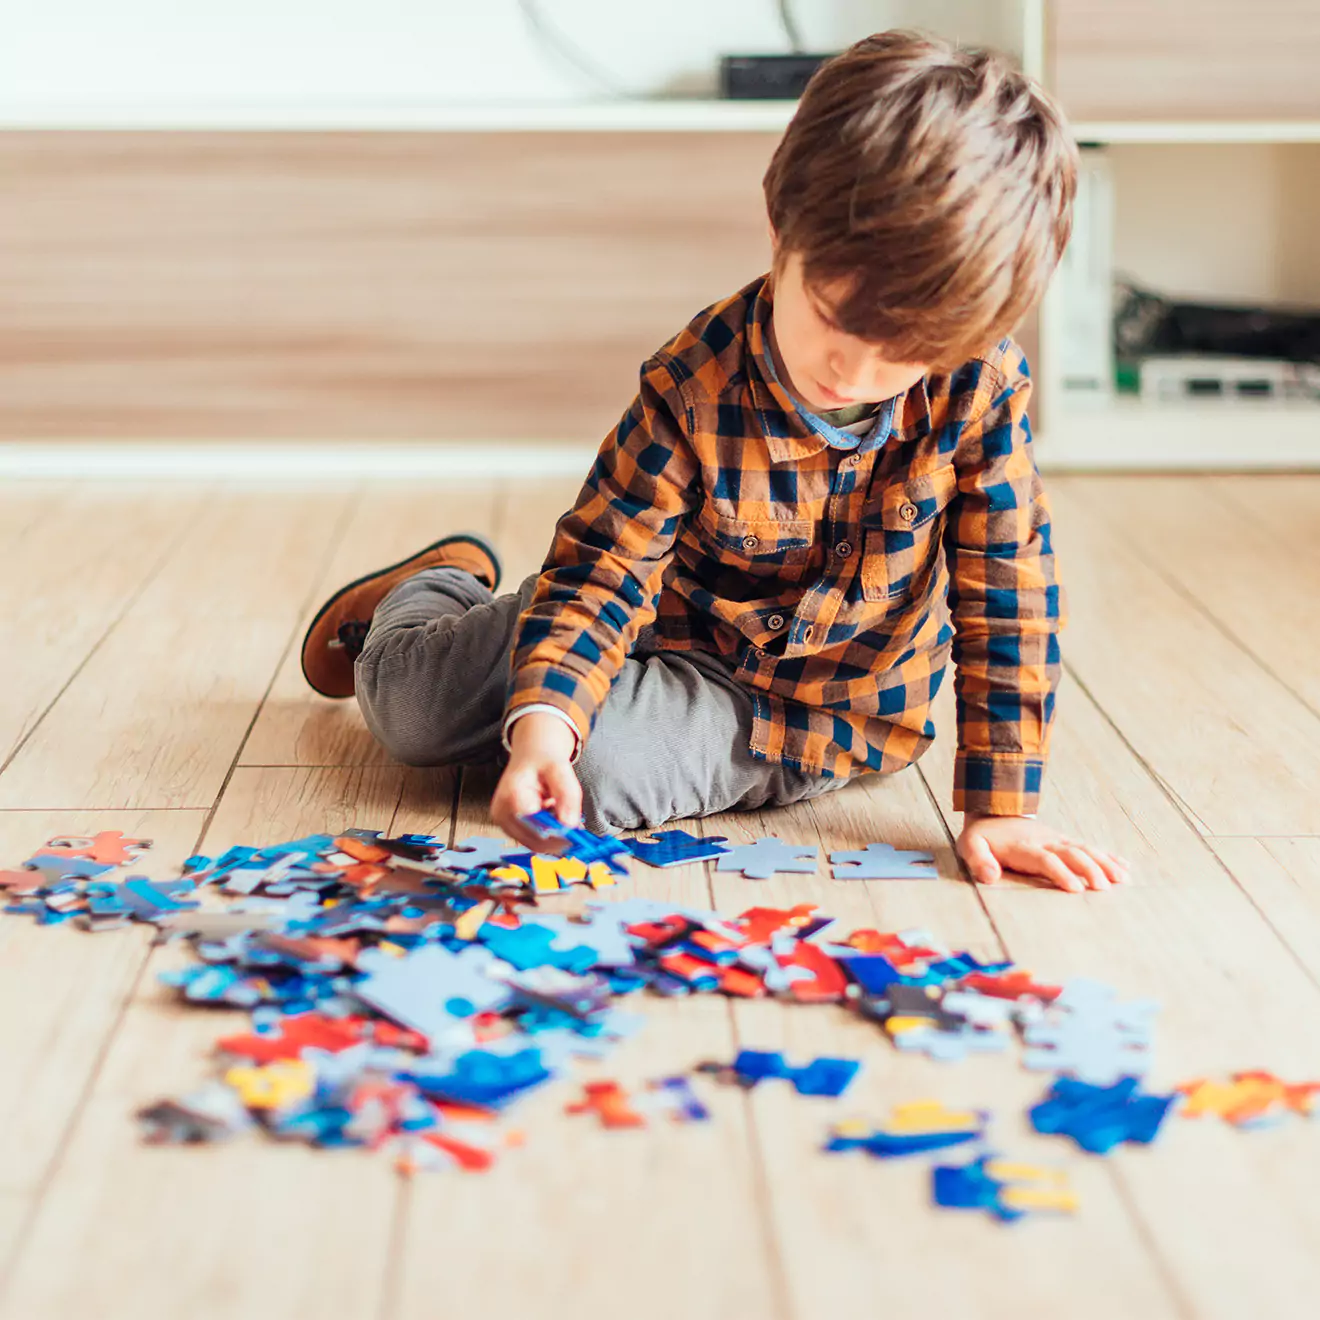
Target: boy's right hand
(539,777)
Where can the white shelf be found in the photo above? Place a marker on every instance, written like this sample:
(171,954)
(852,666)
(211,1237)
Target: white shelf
(1199,130)
(1221,435)
(620,115)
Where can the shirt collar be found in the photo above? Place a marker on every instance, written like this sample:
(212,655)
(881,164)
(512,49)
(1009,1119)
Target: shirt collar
(790,431)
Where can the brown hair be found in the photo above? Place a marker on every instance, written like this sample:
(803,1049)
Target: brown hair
(934,184)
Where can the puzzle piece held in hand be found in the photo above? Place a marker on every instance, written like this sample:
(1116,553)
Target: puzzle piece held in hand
(676,847)
(882,861)
(770,856)
(580,843)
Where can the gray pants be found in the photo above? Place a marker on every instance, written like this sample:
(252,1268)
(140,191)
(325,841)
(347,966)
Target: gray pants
(671,739)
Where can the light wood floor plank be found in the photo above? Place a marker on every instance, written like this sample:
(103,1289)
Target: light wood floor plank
(1248,555)
(582,1222)
(525,523)
(1233,997)
(158,714)
(71,987)
(244,1230)
(851,1227)
(1282,878)
(1235,745)
(387,523)
(70,562)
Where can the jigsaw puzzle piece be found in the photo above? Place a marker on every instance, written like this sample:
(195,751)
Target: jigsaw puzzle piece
(676,848)
(610,1103)
(770,856)
(676,1096)
(475,853)
(430,986)
(882,861)
(109,847)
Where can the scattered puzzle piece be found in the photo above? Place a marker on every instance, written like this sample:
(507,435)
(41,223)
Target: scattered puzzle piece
(882,861)
(109,848)
(770,856)
(912,1129)
(1089,1034)
(1249,1099)
(1098,1118)
(676,847)
(610,1103)
(475,853)
(679,1100)
(1005,1189)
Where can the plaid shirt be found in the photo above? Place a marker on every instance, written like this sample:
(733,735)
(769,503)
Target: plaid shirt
(835,582)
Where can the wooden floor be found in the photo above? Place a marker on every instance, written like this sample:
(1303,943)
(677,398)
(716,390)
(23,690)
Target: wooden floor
(149,682)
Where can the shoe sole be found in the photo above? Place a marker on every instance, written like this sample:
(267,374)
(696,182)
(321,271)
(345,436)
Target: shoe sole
(463,537)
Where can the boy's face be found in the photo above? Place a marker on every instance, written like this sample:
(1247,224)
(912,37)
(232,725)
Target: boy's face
(818,363)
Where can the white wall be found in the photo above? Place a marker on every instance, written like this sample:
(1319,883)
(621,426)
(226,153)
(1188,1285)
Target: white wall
(63,61)
(1237,223)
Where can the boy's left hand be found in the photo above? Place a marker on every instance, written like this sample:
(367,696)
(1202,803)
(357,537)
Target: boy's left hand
(991,845)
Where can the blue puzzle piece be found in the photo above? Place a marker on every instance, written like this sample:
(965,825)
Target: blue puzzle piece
(882,861)
(580,844)
(533,945)
(970,1187)
(1098,1118)
(676,847)
(892,1145)
(480,1077)
(824,1076)
(147,901)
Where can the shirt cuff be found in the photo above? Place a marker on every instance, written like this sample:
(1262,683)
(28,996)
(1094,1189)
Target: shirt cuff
(541,707)
(998,783)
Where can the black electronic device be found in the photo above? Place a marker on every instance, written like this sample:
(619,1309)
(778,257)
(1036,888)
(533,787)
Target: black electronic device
(767,77)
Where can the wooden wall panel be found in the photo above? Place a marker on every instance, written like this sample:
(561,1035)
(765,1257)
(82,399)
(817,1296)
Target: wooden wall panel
(398,285)
(1186,59)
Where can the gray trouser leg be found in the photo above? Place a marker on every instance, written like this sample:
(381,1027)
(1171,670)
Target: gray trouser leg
(671,739)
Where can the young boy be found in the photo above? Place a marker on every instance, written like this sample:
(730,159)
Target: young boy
(823,491)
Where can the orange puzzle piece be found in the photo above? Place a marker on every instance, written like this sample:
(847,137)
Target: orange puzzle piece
(609,1102)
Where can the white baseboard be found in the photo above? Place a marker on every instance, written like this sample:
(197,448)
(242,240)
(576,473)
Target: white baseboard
(302,462)
(1213,436)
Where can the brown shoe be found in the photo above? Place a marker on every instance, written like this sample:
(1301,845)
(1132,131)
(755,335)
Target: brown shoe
(335,639)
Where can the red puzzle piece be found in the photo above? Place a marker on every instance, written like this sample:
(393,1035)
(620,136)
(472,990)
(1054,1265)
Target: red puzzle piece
(1010,985)
(609,1102)
(109,848)
(759,923)
(830,984)
(316,1031)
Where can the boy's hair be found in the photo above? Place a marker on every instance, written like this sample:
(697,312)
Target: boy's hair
(934,185)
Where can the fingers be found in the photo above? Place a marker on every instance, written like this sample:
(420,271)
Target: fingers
(1114,867)
(981,863)
(563,793)
(518,794)
(1042,862)
(1081,861)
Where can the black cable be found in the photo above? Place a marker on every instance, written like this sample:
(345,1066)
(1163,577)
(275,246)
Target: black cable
(791,30)
(553,40)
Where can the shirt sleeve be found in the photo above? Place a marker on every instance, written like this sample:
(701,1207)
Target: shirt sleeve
(1006,606)
(602,575)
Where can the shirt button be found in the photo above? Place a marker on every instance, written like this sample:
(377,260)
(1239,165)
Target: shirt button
(750,542)
(843,549)
(775,622)
(850,461)
(908,512)
(806,633)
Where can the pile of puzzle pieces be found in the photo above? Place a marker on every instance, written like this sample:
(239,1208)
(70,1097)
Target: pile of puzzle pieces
(404,994)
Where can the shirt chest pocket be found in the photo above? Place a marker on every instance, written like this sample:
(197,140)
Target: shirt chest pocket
(902,538)
(758,546)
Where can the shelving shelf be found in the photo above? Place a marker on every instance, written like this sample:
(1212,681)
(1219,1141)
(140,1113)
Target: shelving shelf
(1117,132)
(1132,434)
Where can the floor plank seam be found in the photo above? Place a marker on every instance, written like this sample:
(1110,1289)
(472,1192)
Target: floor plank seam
(1202,838)
(172,544)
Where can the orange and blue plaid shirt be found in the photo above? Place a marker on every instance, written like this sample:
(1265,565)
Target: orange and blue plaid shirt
(835,581)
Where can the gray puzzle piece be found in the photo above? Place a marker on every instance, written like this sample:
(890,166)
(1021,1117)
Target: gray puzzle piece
(601,930)
(882,861)
(431,986)
(1088,1033)
(767,857)
(478,851)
